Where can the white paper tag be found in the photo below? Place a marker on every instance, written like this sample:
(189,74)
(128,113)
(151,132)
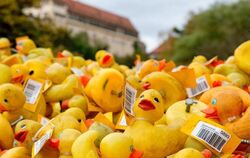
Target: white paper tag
(130,96)
(38,145)
(32,90)
(77,71)
(213,136)
(123,121)
(44,121)
(24,58)
(202,86)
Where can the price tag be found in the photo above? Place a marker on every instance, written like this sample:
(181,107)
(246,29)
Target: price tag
(214,136)
(130,96)
(77,71)
(122,122)
(32,90)
(202,86)
(41,137)
(43,120)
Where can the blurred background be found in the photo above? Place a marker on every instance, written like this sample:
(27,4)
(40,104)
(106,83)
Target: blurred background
(171,29)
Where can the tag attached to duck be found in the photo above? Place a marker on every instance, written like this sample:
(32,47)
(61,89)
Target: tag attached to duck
(105,120)
(77,71)
(47,85)
(214,136)
(42,120)
(130,96)
(203,84)
(41,137)
(33,91)
(122,122)
(185,76)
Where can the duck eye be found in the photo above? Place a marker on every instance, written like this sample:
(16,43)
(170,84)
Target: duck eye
(31,72)
(79,120)
(5,100)
(142,96)
(156,100)
(23,126)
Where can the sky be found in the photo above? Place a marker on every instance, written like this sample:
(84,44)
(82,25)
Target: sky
(154,18)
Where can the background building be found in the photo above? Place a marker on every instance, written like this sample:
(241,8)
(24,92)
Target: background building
(102,27)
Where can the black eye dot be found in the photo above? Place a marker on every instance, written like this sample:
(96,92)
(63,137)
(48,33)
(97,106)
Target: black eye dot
(157,100)
(79,120)
(31,72)
(23,126)
(5,100)
(142,96)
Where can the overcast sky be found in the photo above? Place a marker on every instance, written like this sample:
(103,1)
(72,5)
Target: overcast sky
(150,17)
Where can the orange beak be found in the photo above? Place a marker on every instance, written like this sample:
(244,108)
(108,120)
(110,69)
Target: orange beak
(85,79)
(3,108)
(19,48)
(146,105)
(106,59)
(65,105)
(60,55)
(217,83)
(89,122)
(17,79)
(216,63)
(54,143)
(162,64)
(136,154)
(21,135)
(211,112)
(206,153)
(146,85)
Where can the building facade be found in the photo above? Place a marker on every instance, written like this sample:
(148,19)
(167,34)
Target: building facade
(102,27)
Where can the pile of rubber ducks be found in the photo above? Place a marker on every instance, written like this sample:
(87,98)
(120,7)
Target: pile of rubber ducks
(64,106)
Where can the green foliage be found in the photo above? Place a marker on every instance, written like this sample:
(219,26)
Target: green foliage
(14,24)
(216,31)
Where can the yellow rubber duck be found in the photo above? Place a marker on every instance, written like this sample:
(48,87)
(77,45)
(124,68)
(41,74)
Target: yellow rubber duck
(12,100)
(7,135)
(149,108)
(66,139)
(17,152)
(188,153)
(170,88)
(40,52)
(19,73)
(78,61)
(67,89)
(25,46)
(5,47)
(36,69)
(5,73)
(57,73)
(148,67)
(104,58)
(178,113)
(79,101)
(25,130)
(118,145)
(84,146)
(109,83)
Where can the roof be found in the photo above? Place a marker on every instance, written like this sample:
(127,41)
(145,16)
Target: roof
(87,11)
(166,45)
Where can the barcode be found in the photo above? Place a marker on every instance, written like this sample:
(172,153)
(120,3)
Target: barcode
(32,90)
(130,95)
(213,136)
(202,86)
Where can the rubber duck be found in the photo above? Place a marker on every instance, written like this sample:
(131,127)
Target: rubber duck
(5,46)
(17,152)
(7,135)
(149,108)
(5,73)
(104,58)
(57,73)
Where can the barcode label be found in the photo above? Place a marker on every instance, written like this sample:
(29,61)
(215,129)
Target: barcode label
(130,96)
(202,86)
(32,90)
(77,71)
(213,136)
(40,143)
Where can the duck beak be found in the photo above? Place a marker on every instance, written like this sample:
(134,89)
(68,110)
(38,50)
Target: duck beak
(206,153)
(54,143)
(136,154)
(162,64)
(146,105)
(65,105)
(17,79)
(106,59)
(146,85)
(3,108)
(19,48)
(85,79)
(217,83)
(60,55)
(21,135)
(211,113)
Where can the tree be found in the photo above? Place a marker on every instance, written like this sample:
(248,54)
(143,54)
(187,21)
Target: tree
(216,31)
